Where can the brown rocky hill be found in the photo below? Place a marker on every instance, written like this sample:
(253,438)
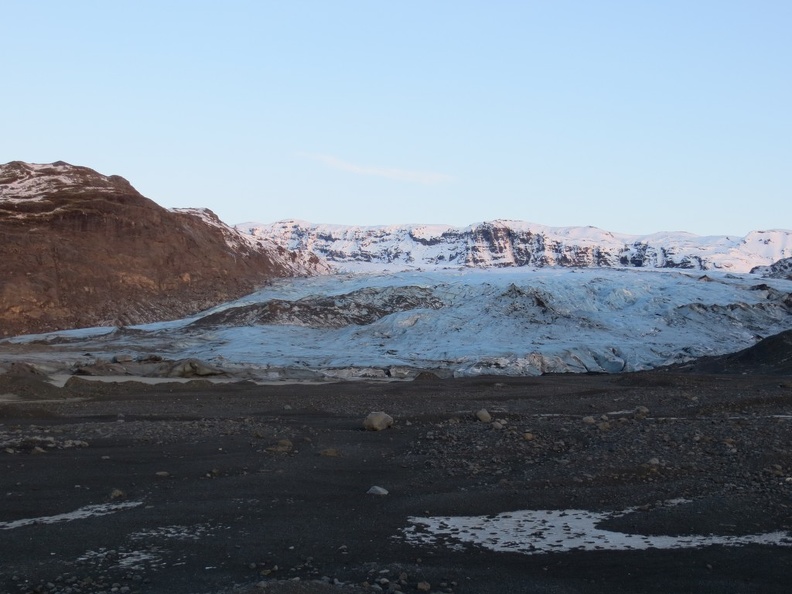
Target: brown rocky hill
(81,249)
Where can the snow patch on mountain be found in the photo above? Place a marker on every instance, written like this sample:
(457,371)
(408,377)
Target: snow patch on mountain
(33,182)
(503,243)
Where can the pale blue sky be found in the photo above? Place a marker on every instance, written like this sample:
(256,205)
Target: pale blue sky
(634,116)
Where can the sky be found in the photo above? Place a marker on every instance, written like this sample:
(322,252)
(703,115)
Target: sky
(632,116)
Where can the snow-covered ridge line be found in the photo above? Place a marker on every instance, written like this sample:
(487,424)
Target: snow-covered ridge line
(32,182)
(504,243)
(297,262)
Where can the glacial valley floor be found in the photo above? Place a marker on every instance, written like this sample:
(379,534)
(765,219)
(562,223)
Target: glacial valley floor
(199,488)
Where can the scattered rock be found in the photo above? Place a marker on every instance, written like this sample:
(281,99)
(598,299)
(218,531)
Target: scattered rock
(162,474)
(100,368)
(426,376)
(377,421)
(283,446)
(25,369)
(117,494)
(484,416)
(193,368)
(589,420)
(375,490)
(529,436)
(330,453)
(423,586)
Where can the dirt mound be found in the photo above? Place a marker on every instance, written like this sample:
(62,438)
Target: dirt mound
(771,356)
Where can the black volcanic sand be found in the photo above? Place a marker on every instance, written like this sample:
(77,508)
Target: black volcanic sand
(245,488)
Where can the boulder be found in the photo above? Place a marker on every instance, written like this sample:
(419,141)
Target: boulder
(193,368)
(377,421)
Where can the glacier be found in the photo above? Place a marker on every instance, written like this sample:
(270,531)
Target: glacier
(454,322)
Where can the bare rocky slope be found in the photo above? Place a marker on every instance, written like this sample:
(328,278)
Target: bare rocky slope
(780,269)
(78,249)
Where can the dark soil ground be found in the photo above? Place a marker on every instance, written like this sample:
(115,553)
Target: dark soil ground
(248,488)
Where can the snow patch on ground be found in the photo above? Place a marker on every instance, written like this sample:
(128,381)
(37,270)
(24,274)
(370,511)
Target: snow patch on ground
(536,532)
(195,532)
(89,511)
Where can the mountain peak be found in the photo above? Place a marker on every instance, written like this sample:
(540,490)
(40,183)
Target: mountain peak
(22,182)
(82,249)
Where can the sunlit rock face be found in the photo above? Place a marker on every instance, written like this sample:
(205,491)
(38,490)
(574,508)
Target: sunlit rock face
(78,248)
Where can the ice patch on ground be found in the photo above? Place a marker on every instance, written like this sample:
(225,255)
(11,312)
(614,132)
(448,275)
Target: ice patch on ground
(535,532)
(172,532)
(82,513)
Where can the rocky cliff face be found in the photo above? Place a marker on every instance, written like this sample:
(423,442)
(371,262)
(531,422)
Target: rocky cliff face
(79,249)
(781,269)
(516,243)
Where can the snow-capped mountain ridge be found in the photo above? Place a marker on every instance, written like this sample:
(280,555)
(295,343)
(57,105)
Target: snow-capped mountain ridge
(298,263)
(506,243)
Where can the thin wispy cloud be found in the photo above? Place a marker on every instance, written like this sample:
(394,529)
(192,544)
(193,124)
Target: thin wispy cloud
(406,175)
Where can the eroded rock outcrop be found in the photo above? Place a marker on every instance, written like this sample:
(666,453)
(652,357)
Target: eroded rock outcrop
(779,269)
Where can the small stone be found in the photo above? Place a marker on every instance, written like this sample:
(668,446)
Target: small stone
(283,446)
(117,494)
(162,474)
(529,436)
(330,453)
(604,426)
(377,421)
(497,425)
(654,462)
(640,412)
(423,586)
(483,416)
(375,490)
(589,420)
(38,450)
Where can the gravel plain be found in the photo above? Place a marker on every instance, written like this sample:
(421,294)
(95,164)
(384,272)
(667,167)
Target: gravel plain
(202,487)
